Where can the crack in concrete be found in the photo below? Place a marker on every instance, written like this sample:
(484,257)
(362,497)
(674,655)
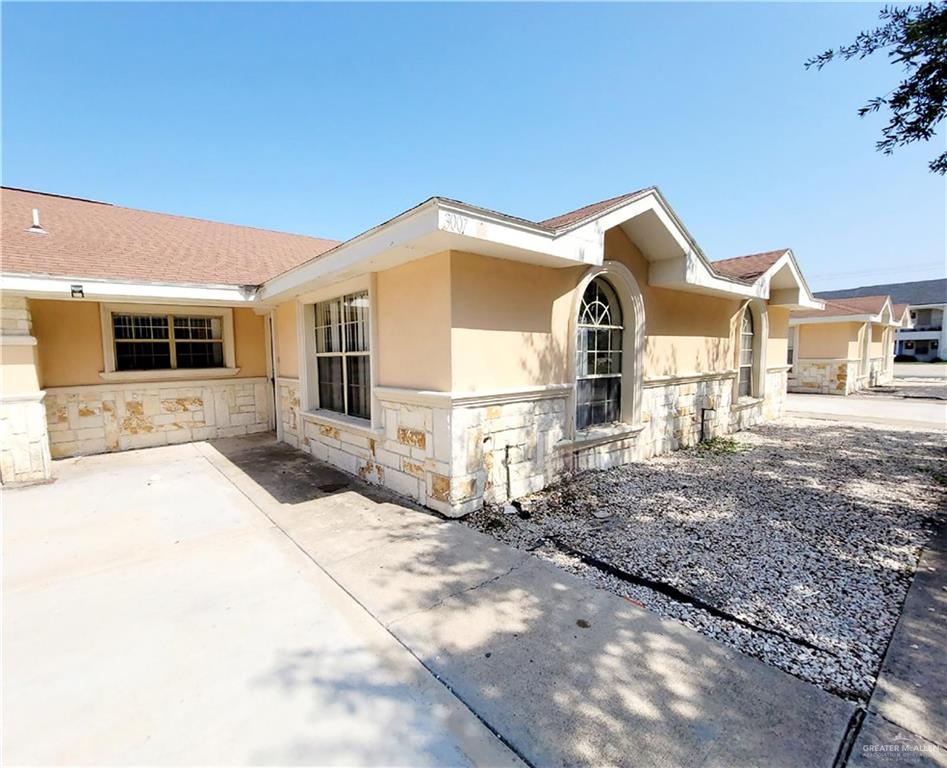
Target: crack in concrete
(459,592)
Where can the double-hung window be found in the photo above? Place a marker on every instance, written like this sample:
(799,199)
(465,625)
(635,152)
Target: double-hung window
(150,342)
(343,363)
(598,356)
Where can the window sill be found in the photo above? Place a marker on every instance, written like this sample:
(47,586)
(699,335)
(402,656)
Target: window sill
(341,421)
(169,375)
(598,435)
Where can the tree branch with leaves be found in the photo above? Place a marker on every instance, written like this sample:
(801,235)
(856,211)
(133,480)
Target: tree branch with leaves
(915,37)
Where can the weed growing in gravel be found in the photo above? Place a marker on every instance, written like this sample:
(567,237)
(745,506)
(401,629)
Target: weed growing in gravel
(722,445)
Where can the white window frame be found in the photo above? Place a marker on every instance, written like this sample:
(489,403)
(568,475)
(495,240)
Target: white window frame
(633,335)
(610,327)
(758,312)
(108,342)
(306,338)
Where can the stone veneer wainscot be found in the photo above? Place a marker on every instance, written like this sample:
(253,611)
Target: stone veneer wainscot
(455,454)
(115,417)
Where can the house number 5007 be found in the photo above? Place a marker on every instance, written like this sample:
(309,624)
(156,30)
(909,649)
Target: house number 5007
(455,223)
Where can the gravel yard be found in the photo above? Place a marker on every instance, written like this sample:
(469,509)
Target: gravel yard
(794,543)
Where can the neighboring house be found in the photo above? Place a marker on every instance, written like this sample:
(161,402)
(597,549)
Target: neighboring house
(926,338)
(845,347)
(453,354)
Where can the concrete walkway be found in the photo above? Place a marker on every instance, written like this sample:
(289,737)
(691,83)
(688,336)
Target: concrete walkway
(153,616)
(871,409)
(906,722)
(565,673)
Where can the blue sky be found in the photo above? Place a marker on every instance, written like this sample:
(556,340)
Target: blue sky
(328,119)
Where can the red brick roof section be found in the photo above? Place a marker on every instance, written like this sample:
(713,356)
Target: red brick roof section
(748,267)
(99,240)
(864,305)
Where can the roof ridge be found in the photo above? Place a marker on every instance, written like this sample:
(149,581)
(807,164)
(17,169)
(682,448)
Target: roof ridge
(55,194)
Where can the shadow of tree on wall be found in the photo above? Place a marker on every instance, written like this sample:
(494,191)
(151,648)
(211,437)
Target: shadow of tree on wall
(567,674)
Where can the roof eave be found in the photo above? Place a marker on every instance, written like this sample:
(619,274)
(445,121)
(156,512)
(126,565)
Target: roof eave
(99,289)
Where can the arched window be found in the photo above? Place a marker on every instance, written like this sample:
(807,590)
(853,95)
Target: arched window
(598,356)
(746,354)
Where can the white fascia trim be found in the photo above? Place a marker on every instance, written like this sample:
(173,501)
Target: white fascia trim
(399,231)
(833,319)
(575,247)
(807,300)
(454,219)
(97,289)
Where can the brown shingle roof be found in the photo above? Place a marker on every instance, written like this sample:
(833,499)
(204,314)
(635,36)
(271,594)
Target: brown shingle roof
(748,267)
(863,305)
(587,211)
(100,240)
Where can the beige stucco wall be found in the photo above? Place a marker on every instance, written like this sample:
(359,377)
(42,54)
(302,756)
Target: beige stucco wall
(287,347)
(877,341)
(249,335)
(777,350)
(69,342)
(509,322)
(836,341)
(517,316)
(685,332)
(18,374)
(69,337)
(413,306)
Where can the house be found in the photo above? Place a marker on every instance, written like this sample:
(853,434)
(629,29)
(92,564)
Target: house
(845,347)
(925,338)
(453,354)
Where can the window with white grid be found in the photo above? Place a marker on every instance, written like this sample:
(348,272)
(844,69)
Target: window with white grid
(149,342)
(598,356)
(343,362)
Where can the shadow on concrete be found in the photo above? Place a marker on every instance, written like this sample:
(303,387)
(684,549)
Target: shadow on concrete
(288,475)
(567,674)
(813,532)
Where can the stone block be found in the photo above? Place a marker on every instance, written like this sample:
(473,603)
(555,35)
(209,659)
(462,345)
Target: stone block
(414,438)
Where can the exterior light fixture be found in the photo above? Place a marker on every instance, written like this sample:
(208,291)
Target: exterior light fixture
(77,291)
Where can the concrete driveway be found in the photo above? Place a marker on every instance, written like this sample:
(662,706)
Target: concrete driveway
(237,602)
(871,409)
(154,616)
(921,370)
